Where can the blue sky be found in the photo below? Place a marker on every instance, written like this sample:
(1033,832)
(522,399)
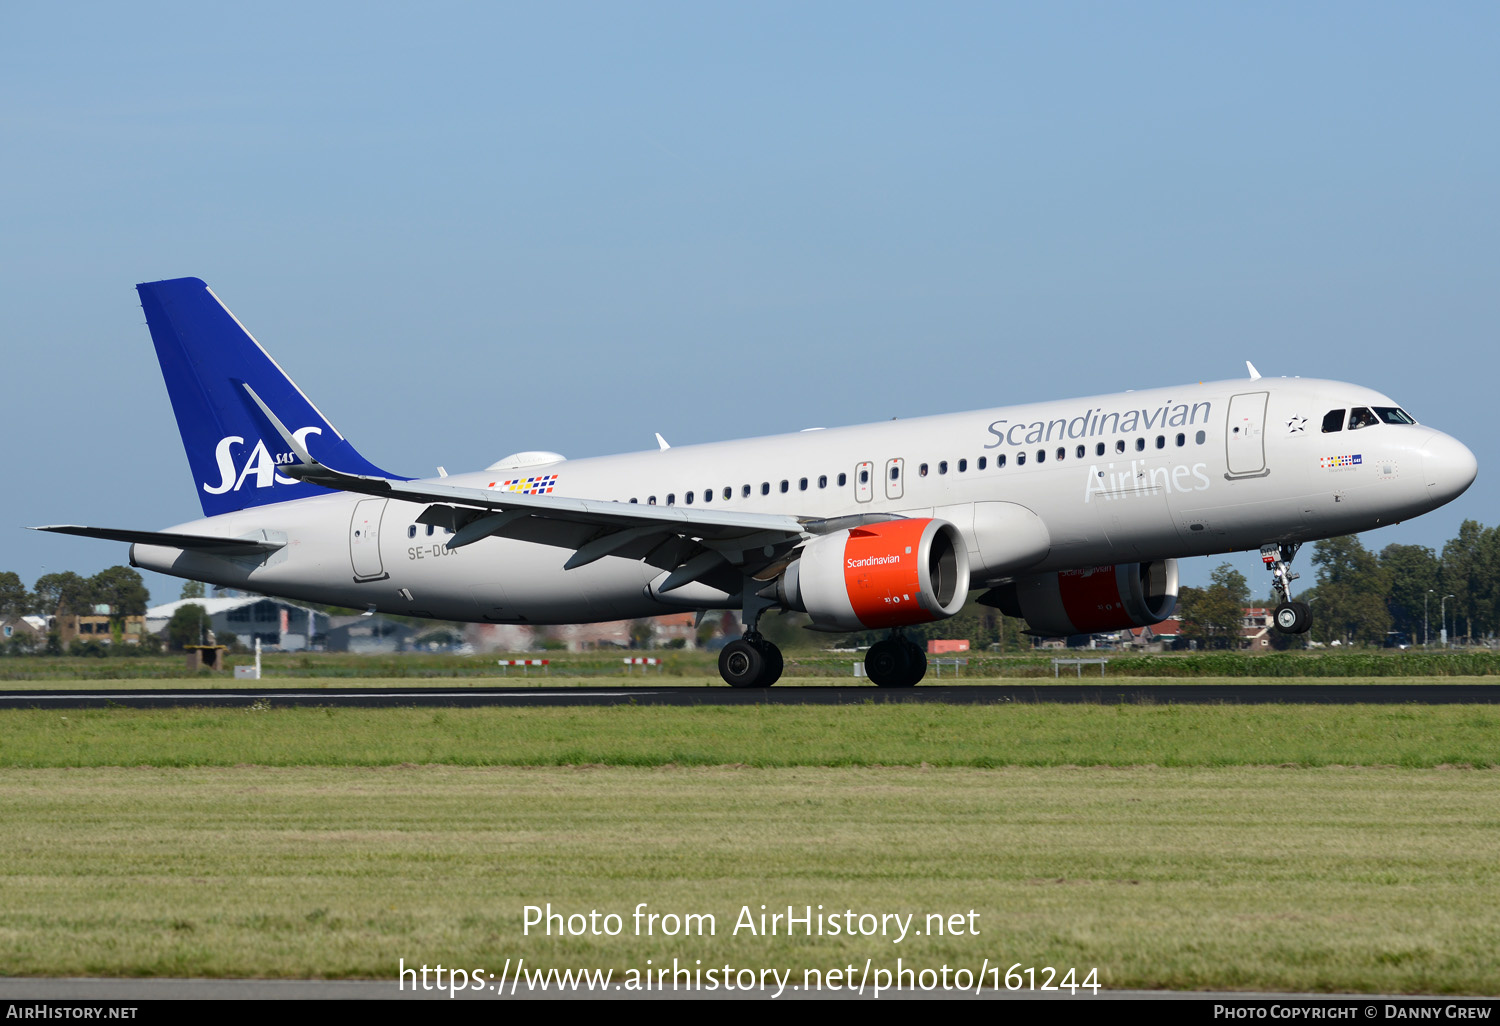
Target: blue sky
(472,229)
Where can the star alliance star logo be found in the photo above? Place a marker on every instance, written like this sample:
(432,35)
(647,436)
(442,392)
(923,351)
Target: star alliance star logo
(1296,424)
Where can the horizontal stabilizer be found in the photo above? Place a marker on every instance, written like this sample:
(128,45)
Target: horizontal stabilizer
(194,542)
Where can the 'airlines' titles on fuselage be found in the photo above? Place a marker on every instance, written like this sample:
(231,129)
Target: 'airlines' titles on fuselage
(1096,422)
(1140,479)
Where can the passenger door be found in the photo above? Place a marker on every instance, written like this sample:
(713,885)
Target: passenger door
(1245,438)
(364,539)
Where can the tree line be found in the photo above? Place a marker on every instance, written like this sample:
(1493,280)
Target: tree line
(119,588)
(1404,594)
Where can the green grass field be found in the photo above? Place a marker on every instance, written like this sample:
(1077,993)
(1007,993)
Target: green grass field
(1328,848)
(1335,879)
(764,736)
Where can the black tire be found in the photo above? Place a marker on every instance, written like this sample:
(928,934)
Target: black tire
(1293,618)
(888,664)
(772,655)
(742,665)
(916,660)
(1304,618)
(1286,618)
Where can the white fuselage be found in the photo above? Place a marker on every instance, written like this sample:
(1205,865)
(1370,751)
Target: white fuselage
(1193,470)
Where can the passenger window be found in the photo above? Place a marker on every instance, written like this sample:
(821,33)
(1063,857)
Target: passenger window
(1099,449)
(1202,437)
(745,491)
(1041,455)
(983,461)
(1061,453)
(1081,451)
(671,498)
(651,500)
(729,493)
(1140,445)
(785,486)
(943,467)
(411,532)
(1161,441)
(632,499)
(1181,439)
(842,480)
(687,498)
(1120,445)
(1360,417)
(922,470)
(822,480)
(1020,459)
(963,465)
(765,488)
(895,475)
(1333,421)
(430,529)
(708,495)
(864,477)
(802,485)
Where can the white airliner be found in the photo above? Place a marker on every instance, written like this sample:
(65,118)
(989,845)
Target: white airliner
(1071,514)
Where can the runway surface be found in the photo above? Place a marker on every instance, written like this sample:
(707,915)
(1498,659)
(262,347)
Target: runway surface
(1103,693)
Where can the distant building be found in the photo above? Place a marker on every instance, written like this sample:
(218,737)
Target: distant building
(277,623)
(94,626)
(1256,632)
(33,627)
(1157,637)
(369,635)
(583,637)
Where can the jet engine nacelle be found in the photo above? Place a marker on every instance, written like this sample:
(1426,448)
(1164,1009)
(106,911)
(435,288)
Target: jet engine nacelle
(1102,598)
(889,574)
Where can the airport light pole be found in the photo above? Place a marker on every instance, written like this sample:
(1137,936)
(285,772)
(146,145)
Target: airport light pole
(1444,609)
(1424,617)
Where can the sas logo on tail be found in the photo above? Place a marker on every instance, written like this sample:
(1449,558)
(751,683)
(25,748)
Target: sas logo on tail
(261,465)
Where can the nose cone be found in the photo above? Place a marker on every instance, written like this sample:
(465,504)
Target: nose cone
(1449,468)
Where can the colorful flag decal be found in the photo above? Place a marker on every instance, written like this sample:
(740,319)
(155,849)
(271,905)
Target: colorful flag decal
(541,485)
(1327,462)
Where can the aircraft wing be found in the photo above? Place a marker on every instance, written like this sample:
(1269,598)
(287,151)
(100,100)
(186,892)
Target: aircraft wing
(748,541)
(678,519)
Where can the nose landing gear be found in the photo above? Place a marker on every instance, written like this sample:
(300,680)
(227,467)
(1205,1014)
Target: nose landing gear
(1290,617)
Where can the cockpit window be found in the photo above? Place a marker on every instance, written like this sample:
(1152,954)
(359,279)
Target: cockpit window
(1361,417)
(1333,420)
(1393,415)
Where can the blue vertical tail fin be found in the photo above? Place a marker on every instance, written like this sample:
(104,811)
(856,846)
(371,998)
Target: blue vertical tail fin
(207,357)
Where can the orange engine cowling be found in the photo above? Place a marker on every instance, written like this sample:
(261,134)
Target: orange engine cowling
(890,574)
(1102,598)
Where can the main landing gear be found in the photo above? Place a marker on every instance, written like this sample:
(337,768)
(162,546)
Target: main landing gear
(896,662)
(1290,617)
(750,662)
